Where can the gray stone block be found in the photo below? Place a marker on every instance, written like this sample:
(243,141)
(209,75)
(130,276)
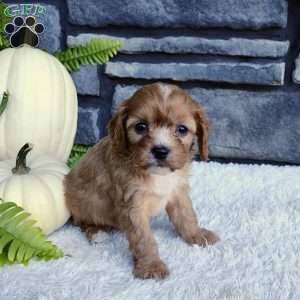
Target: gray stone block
(50,38)
(296,73)
(92,122)
(237,14)
(246,125)
(184,44)
(231,72)
(87,130)
(87,80)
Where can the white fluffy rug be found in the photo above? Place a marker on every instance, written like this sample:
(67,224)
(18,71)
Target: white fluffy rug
(255,210)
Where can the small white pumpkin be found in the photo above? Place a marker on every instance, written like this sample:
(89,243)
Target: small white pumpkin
(36,186)
(42,105)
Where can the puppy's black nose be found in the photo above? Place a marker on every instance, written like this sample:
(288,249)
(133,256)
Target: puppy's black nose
(160,152)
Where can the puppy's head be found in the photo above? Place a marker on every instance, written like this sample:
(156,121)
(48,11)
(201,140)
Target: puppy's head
(157,127)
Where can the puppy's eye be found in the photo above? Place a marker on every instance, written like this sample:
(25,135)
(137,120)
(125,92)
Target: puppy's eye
(181,130)
(141,128)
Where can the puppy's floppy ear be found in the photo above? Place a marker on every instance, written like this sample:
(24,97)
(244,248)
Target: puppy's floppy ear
(202,131)
(117,128)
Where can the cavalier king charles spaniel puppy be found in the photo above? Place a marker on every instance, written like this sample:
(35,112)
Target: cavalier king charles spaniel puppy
(140,168)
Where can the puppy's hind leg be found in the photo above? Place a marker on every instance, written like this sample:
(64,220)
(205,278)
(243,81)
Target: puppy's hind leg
(91,230)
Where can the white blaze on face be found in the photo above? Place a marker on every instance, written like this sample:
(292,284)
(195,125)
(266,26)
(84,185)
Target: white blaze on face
(162,136)
(166,90)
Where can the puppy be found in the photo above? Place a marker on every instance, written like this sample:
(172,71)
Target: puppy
(140,168)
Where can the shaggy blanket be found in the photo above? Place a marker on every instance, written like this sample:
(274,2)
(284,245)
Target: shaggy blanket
(254,209)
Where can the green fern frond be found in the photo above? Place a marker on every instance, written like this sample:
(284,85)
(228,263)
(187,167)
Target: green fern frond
(4,43)
(80,148)
(97,51)
(20,240)
(77,152)
(3,18)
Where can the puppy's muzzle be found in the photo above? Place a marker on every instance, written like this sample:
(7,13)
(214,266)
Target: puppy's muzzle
(160,152)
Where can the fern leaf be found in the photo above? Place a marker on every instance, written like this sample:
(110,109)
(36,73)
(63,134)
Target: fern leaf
(29,253)
(21,253)
(4,240)
(4,102)
(80,148)
(3,18)
(4,43)
(97,51)
(20,240)
(4,260)
(77,152)
(13,249)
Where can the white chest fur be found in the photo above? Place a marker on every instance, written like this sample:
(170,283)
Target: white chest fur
(164,187)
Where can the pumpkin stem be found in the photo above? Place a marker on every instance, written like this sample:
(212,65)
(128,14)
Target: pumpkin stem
(3,103)
(21,167)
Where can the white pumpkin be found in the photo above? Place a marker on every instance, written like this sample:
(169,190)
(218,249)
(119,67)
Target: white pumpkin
(36,186)
(42,106)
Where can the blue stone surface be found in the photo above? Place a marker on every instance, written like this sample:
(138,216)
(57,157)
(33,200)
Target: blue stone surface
(237,14)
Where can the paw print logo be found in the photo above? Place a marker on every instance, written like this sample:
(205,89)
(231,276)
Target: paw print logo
(24,31)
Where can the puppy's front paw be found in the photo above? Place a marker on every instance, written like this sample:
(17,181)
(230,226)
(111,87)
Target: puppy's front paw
(155,269)
(205,237)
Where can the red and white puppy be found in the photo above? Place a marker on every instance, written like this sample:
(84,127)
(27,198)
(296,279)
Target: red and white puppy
(140,168)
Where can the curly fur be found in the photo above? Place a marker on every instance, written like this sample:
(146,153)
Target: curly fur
(119,184)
